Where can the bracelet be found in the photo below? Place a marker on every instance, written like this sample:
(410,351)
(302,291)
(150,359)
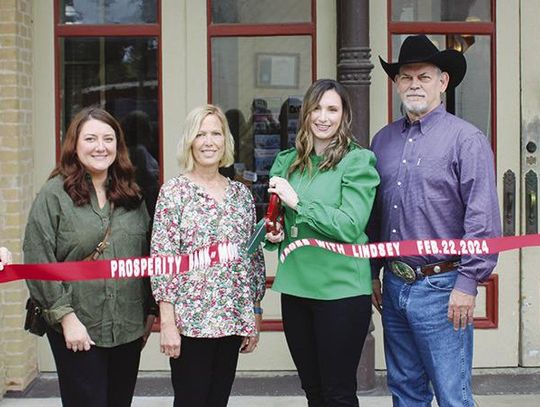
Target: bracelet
(257,310)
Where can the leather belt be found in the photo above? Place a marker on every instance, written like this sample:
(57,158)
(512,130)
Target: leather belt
(410,274)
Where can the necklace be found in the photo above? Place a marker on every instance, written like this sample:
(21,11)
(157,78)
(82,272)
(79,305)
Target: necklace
(300,190)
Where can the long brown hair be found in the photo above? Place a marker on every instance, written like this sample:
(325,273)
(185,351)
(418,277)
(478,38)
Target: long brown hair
(339,146)
(122,188)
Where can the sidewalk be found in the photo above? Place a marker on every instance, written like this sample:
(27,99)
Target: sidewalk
(506,387)
(508,400)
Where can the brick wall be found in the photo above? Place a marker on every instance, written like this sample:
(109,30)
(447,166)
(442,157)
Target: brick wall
(18,361)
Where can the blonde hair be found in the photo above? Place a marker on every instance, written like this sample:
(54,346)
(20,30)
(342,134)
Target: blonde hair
(339,146)
(192,126)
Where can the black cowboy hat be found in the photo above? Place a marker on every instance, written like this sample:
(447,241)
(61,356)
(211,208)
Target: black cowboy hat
(418,48)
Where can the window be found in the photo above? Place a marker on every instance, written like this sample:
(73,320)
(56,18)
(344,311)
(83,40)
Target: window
(108,54)
(261,62)
(466,26)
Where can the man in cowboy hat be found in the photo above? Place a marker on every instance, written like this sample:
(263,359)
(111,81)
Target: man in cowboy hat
(437,182)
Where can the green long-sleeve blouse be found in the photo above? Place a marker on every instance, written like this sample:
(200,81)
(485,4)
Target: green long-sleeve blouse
(113,311)
(334,205)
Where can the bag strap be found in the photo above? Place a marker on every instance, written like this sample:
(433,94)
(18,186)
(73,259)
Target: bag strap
(100,248)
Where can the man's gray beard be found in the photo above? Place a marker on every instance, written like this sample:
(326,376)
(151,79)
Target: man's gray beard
(416,109)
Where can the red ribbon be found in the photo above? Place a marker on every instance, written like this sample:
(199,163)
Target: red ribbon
(136,267)
(451,247)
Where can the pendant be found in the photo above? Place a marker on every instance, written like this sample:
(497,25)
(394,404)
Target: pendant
(294,231)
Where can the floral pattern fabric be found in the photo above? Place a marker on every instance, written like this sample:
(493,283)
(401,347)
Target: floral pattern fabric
(216,301)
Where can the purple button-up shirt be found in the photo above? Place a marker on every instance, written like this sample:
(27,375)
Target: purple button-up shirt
(437,182)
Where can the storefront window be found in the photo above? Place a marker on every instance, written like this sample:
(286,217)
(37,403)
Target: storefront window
(463,25)
(261,11)
(441,10)
(259,74)
(108,11)
(259,83)
(118,73)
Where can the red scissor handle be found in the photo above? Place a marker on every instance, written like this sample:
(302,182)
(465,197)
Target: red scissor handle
(273,214)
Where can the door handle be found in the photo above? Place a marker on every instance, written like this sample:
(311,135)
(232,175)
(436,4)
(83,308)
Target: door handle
(509,203)
(531,203)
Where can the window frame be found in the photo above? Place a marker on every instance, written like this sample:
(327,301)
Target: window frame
(261,30)
(487,29)
(105,30)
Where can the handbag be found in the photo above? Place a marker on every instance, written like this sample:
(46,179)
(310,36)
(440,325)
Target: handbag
(34,321)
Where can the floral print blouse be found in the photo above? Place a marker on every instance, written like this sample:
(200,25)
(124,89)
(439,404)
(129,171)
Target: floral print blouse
(216,301)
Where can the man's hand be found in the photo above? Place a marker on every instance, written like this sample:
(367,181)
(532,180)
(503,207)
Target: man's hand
(376,297)
(461,309)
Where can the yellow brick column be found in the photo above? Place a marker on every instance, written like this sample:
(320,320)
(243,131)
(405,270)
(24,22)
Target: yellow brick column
(18,360)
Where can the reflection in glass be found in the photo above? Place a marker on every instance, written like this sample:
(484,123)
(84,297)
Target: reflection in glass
(262,115)
(120,75)
(471,100)
(108,11)
(441,10)
(261,11)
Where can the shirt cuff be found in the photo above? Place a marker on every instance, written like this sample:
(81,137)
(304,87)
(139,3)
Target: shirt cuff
(301,209)
(466,285)
(54,316)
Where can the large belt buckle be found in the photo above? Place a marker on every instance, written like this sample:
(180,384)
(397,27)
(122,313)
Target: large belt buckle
(403,271)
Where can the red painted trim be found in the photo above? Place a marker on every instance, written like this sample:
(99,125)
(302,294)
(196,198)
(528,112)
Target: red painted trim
(105,30)
(272,325)
(445,27)
(314,41)
(209,51)
(260,30)
(491,320)
(160,93)
(57,82)
(494,85)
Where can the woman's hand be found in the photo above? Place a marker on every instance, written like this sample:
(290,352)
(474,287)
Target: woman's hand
(5,257)
(170,341)
(249,343)
(275,237)
(75,333)
(148,328)
(284,190)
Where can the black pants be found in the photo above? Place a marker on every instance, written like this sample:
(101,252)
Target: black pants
(204,373)
(100,377)
(325,338)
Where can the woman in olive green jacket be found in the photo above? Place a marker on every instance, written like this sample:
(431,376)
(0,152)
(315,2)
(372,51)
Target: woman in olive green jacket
(96,328)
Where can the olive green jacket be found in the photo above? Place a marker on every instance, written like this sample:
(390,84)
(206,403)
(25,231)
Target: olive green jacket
(113,311)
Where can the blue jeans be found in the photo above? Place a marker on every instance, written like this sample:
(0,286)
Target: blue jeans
(422,349)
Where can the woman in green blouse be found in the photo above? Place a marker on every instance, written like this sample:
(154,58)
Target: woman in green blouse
(96,328)
(327,185)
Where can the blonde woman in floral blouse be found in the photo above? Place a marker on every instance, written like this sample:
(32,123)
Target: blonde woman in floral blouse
(207,315)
